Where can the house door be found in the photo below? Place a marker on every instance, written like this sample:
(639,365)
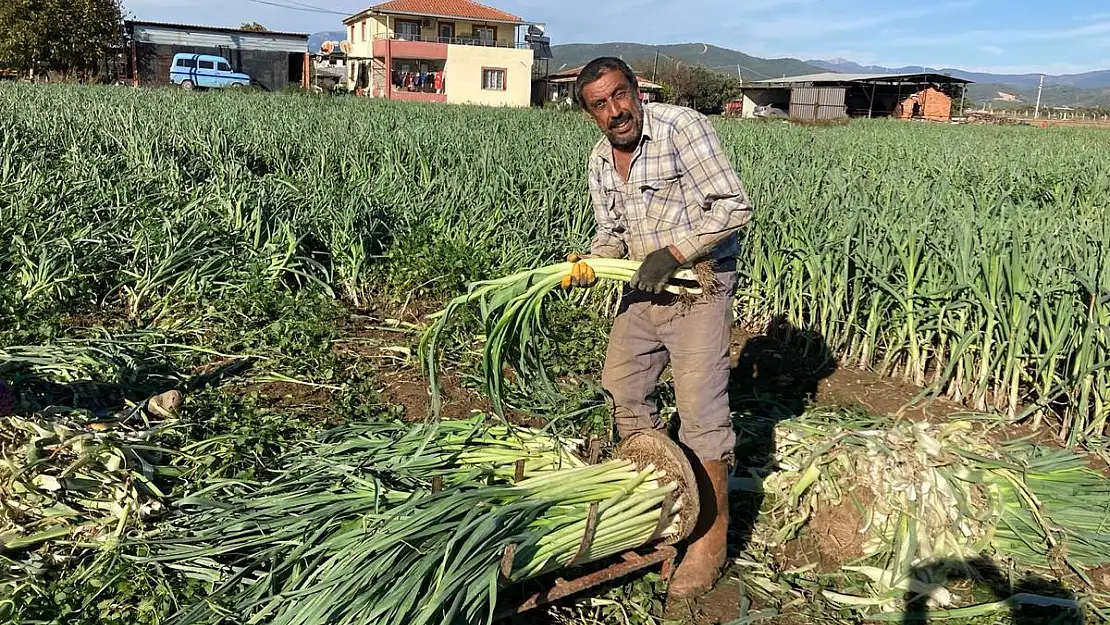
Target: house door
(446,32)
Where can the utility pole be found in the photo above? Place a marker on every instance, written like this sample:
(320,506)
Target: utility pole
(655,68)
(1040,87)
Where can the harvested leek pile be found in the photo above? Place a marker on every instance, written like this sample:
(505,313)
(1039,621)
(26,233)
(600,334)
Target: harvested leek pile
(511,310)
(938,492)
(67,488)
(63,480)
(426,523)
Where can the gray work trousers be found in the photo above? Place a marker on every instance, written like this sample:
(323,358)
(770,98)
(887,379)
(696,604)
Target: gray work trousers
(650,330)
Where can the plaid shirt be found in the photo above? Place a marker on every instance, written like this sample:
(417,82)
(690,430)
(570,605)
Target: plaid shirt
(682,191)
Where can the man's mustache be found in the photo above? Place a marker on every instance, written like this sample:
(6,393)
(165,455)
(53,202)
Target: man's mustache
(620,119)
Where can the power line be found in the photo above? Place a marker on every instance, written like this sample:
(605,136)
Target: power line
(300,6)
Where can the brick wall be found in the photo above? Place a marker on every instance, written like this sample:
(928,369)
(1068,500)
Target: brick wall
(379,77)
(935,105)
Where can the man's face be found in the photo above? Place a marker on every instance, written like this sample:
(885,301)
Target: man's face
(613,104)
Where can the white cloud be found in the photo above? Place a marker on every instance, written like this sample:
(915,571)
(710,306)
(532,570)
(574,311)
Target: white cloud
(821,24)
(1096,29)
(982,38)
(1047,68)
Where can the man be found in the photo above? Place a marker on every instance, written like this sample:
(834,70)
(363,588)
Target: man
(665,193)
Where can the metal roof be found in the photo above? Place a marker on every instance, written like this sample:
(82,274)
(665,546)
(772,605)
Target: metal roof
(833,77)
(217,29)
(449,9)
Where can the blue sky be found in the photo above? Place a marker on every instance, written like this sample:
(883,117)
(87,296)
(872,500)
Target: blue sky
(1008,36)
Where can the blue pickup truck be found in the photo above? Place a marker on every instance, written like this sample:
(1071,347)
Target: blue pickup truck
(204,71)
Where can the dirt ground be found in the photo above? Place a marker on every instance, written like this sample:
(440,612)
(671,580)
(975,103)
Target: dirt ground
(1074,123)
(761,366)
(797,377)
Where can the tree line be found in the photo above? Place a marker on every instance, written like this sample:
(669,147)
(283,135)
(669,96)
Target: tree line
(695,86)
(71,37)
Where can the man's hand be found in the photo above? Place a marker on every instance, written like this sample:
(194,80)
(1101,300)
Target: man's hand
(581,274)
(654,271)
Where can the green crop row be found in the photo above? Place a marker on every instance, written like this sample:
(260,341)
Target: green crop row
(967,259)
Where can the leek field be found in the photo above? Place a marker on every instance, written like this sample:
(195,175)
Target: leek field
(275,260)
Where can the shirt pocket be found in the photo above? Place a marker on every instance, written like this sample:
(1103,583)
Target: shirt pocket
(664,202)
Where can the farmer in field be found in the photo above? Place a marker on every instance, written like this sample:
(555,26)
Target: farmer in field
(665,193)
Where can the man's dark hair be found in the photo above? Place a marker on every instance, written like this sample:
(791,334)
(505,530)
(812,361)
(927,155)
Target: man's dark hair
(595,68)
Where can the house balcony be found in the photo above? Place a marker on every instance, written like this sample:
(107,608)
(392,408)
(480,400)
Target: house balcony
(408,48)
(403,46)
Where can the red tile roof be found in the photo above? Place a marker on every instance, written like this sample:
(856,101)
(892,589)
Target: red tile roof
(465,9)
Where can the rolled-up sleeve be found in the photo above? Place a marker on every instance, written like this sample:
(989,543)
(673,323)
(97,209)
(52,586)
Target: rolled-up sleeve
(716,188)
(607,242)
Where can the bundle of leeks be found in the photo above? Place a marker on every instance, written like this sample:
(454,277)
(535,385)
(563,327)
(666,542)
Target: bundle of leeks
(395,523)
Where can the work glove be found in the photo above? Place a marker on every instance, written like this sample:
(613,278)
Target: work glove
(581,274)
(654,271)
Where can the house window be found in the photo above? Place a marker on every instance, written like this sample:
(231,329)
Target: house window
(493,79)
(364,30)
(351,32)
(485,34)
(407,30)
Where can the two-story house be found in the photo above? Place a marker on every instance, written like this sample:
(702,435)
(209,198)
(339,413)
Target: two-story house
(454,51)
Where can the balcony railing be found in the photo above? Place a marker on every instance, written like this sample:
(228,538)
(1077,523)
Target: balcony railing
(458,41)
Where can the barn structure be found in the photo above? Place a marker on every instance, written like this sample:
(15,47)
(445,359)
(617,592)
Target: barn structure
(273,60)
(829,96)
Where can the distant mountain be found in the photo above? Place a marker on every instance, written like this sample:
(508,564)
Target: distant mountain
(315,40)
(567,56)
(844,66)
(1053,95)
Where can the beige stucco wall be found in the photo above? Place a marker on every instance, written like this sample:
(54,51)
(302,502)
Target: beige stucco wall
(364,46)
(463,75)
(380,26)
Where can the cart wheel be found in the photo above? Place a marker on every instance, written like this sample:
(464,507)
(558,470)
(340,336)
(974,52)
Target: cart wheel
(656,448)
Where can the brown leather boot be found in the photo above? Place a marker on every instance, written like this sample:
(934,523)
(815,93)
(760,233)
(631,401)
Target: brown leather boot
(701,566)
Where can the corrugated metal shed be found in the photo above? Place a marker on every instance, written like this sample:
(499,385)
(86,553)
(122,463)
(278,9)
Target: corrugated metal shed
(834,78)
(812,103)
(273,60)
(209,37)
(829,95)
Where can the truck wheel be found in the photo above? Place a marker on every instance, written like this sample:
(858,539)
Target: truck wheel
(187,85)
